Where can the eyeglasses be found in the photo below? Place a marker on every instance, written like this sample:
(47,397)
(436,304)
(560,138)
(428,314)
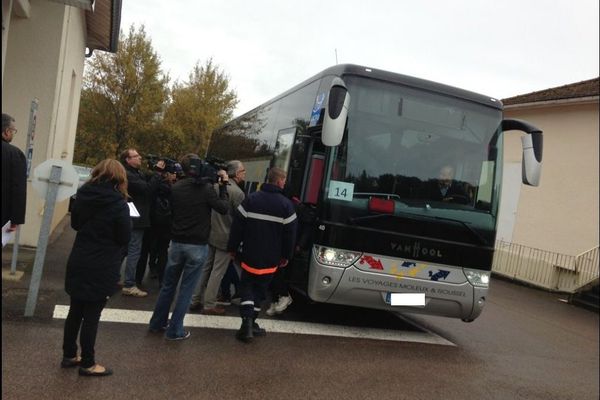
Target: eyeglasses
(13,130)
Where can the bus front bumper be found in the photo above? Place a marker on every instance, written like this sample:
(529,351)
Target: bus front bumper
(354,287)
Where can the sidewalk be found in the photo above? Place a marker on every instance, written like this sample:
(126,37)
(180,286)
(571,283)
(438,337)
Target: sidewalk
(51,293)
(14,292)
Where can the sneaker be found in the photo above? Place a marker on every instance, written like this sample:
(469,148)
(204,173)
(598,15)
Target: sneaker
(134,291)
(213,311)
(196,307)
(186,335)
(224,301)
(282,304)
(271,311)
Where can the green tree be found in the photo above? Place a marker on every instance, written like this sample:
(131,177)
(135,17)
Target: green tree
(122,100)
(200,105)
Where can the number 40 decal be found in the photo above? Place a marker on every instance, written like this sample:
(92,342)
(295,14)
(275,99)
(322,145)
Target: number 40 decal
(341,190)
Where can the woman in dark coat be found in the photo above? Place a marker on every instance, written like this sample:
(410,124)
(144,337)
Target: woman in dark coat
(101,218)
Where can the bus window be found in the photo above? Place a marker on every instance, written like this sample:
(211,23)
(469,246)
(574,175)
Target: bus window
(283,148)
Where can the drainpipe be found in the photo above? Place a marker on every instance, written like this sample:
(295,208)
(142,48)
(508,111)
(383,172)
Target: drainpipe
(6,14)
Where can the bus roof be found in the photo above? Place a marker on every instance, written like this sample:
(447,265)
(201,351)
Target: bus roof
(386,76)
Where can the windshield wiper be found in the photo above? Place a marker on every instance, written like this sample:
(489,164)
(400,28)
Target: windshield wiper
(365,217)
(476,234)
(463,223)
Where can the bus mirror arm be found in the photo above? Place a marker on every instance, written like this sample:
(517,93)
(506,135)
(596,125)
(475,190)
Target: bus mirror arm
(336,112)
(532,149)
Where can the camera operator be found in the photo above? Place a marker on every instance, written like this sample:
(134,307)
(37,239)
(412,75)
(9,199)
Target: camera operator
(192,200)
(155,244)
(141,189)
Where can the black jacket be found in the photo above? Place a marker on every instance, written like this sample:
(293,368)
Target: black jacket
(191,205)
(265,226)
(101,218)
(14,184)
(160,209)
(142,190)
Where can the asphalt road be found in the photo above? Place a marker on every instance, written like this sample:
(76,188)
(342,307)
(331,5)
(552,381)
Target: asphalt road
(526,345)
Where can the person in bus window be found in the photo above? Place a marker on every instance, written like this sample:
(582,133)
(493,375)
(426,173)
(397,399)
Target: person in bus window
(445,188)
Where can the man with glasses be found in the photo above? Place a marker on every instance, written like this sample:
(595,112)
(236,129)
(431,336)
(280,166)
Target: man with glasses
(218,258)
(141,191)
(14,179)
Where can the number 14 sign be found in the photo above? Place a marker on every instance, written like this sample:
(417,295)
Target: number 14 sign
(341,190)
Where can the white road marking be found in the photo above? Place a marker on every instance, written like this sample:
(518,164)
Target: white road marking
(271,325)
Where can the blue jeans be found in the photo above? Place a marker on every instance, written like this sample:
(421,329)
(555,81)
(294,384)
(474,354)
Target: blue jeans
(185,263)
(133,255)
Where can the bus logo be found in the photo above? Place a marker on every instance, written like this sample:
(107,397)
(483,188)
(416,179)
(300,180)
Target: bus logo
(416,250)
(441,274)
(373,263)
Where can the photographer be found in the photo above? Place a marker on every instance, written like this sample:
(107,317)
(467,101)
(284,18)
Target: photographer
(141,190)
(192,200)
(155,245)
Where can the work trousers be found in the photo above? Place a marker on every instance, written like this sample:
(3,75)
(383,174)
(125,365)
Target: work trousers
(84,316)
(232,277)
(253,291)
(279,286)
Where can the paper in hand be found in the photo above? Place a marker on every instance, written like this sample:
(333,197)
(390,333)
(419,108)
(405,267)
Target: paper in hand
(6,235)
(133,212)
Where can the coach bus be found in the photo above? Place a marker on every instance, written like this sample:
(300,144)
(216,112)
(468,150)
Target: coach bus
(397,181)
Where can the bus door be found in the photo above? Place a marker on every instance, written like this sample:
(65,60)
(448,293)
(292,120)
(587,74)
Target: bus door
(302,155)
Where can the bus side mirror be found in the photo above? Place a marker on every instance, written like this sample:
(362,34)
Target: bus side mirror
(336,112)
(532,150)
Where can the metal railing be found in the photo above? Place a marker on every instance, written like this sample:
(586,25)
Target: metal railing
(586,265)
(546,269)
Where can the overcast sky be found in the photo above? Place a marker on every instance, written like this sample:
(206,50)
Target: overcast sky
(500,48)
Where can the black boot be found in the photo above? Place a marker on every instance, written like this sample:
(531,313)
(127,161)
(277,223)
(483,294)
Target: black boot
(257,331)
(245,332)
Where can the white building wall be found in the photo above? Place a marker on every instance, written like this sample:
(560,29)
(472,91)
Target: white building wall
(561,215)
(44,60)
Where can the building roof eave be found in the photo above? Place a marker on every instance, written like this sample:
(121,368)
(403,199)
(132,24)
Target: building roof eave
(551,103)
(103,26)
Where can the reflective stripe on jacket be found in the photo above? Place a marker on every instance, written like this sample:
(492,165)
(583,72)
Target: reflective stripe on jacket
(265,228)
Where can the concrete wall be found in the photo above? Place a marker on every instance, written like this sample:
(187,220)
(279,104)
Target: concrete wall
(561,215)
(44,60)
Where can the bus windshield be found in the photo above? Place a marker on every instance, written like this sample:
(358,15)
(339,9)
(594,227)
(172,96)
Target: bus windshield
(426,159)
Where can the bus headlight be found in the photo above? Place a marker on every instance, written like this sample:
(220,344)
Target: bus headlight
(335,257)
(478,278)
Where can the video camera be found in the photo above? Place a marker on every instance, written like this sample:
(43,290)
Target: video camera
(206,171)
(171,165)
